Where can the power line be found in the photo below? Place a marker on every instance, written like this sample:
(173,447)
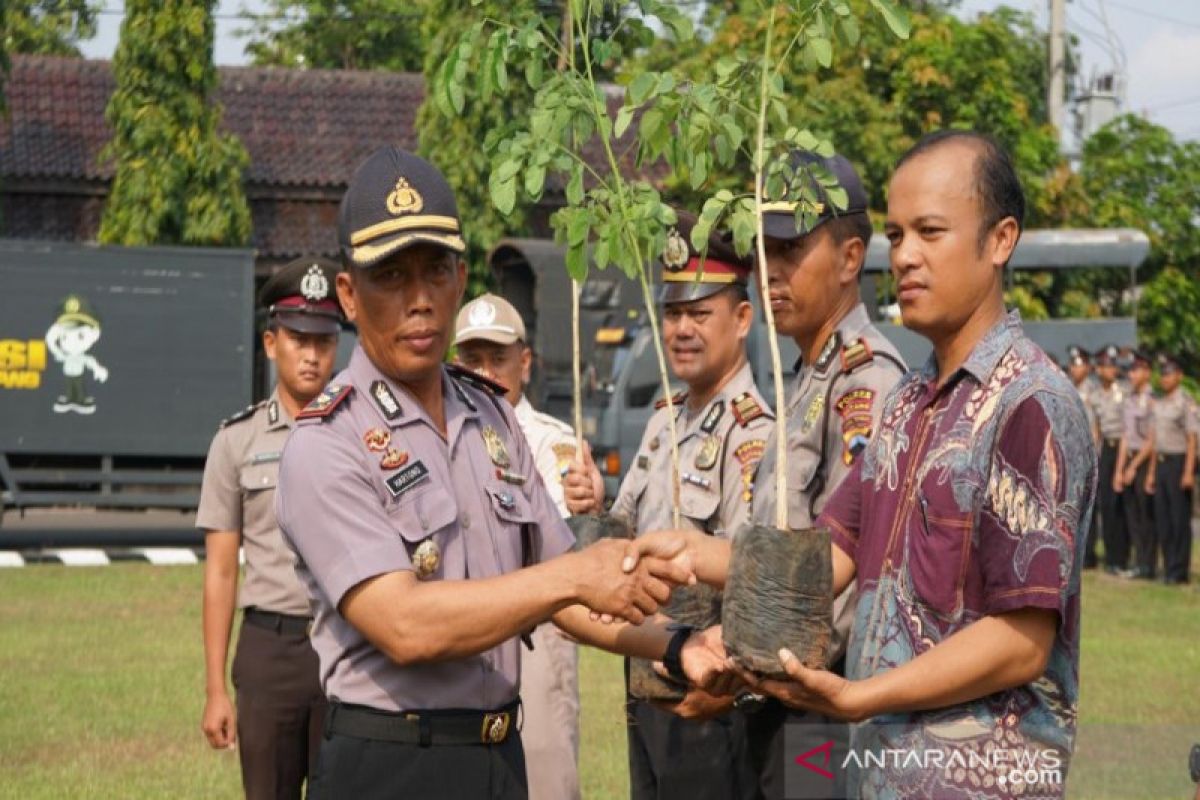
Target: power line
(1143,12)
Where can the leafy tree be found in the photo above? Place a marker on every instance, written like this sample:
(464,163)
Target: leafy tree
(351,34)
(178,179)
(47,27)
(1135,174)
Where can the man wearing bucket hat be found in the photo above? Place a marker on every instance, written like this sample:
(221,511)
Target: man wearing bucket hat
(490,337)
(425,535)
(280,707)
(721,423)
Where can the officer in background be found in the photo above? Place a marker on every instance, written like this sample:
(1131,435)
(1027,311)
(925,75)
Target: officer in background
(1172,471)
(846,370)
(490,338)
(721,422)
(280,706)
(1108,404)
(1079,369)
(425,535)
(1133,464)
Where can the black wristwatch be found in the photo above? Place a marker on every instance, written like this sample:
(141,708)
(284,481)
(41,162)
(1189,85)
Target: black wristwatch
(671,659)
(749,702)
(1194,763)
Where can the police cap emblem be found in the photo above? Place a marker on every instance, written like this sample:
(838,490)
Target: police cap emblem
(675,254)
(314,286)
(404,199)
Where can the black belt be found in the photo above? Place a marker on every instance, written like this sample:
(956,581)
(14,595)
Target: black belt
(425,728)
(279,623)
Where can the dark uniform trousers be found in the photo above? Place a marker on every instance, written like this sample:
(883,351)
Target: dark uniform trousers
(1112,514)
(771,748)
(1139,519)
(1173,516)
(681,759)
(280,706)
(372,769)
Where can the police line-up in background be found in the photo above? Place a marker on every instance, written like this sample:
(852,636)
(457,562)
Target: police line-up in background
(403,524)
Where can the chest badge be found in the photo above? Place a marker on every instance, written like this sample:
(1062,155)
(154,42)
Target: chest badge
(813,413)
(426,558)
(497,452)
(377,440)
(506,500)
(710,448)
(393,459)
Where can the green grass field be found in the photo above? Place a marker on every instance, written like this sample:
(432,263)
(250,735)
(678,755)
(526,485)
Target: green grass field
(101,690)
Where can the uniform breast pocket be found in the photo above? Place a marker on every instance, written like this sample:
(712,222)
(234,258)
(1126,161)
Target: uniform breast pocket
(426,521)
(258,490)
(939,543)
(699,503)
(511,513)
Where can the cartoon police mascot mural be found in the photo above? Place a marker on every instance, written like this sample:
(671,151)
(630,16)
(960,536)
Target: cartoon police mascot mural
(69,339)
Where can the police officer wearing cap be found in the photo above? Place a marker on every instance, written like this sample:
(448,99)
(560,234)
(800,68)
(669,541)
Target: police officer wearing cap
(1079,369)
(1107,411)
(1134,456)
(846,370)
(426,538)
(489,335)
(696,748)
(1172,471)
(280,706)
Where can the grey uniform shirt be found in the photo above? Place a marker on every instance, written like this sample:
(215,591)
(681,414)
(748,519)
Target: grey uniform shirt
(1086,388)
(238,494)
(717,458)
(372,486)
(833,409)
(1174,422)
(1138,415)
(1108,408)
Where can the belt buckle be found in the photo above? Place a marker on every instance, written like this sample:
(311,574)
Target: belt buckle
(495,728)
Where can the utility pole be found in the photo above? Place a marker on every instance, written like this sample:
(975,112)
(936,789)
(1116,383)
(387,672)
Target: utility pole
(1056,90)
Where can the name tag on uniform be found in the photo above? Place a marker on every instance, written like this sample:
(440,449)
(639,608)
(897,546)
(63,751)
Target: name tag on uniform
(407,478)
(266,458)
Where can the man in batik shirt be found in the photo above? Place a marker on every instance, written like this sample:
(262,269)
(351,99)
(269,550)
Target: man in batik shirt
(963,521)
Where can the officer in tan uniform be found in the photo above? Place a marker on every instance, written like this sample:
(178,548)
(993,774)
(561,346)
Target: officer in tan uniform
(280,707)
(490,337)
(721,423)
(1134,455)
(1108,404)
(846,370)
(425,535)
(1172,471)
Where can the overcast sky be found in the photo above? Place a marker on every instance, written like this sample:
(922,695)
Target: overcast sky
(1159,41)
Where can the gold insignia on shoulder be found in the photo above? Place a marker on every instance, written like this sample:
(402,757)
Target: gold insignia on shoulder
(710,449)
(675,254)
(425,558)
(377,440)
(404,199)
(746,409)
(497,452)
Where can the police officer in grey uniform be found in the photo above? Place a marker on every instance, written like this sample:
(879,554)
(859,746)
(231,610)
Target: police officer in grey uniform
(425,536)
(1133,464)
(846,370)
(721,424)
(1108,403)
(1079,369)
(1172,471)
(280,707)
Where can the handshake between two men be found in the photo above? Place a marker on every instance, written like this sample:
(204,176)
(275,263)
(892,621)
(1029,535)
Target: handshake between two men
(654,564)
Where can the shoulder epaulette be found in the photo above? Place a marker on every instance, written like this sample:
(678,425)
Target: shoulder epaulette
(475,379)
(676,400)
(245,413)
(855,354)
(746,409)
(324,404)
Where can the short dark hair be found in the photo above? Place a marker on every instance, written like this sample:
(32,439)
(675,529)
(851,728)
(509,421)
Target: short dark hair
(996,181)
(738,293)
(850,226)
